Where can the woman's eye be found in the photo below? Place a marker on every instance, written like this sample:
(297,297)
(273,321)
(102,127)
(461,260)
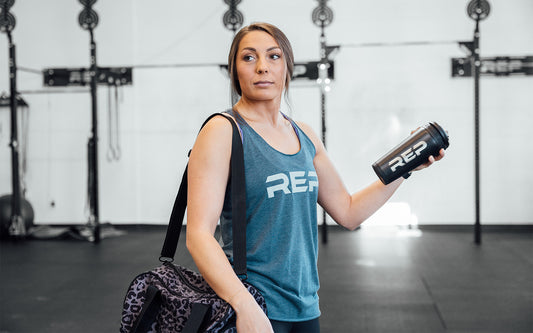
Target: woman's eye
(248,58)
(275,56)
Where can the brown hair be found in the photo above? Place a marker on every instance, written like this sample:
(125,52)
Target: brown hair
(278,36)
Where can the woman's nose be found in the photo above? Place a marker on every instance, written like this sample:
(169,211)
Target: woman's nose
(261,66)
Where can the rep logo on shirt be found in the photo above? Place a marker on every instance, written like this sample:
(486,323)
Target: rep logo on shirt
(291,182)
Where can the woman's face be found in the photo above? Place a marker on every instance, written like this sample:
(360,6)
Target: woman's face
(261,67)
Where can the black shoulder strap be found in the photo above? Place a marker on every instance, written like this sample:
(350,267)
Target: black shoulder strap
(238,206)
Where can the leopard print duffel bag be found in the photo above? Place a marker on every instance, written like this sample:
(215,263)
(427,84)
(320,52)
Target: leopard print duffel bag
(170,299)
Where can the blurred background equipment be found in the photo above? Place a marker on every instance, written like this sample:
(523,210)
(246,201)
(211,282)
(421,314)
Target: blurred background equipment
(13,222)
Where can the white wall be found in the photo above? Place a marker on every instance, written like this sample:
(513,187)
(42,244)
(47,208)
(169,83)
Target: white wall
(379,95)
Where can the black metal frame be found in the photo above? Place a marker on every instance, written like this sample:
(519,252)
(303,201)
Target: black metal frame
(17,228)
(477,10)
(322,16)
(88,19)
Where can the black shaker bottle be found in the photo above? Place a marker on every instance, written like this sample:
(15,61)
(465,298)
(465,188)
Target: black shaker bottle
(412,152)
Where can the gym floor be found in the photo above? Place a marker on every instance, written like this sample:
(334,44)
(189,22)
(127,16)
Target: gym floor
(372,280)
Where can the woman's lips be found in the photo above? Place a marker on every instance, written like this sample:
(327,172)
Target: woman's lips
(263,84)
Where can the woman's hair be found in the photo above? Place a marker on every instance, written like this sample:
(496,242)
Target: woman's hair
(278,36)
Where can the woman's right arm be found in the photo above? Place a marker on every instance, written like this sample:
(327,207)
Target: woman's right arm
(208,174)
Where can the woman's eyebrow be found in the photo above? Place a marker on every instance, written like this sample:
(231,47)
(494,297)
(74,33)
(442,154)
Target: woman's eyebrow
(249,48)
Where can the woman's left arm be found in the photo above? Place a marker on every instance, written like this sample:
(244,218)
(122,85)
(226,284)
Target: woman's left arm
(349,210)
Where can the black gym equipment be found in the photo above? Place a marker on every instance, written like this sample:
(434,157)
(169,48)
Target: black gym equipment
(88,20)
(16,213)
(6,217)
(477,10)
(322,16)
(233,18)
(475,66)
(92,76)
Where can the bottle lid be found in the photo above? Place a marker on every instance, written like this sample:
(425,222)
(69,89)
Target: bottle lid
(442,133)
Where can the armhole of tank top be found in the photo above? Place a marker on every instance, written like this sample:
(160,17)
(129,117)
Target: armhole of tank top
(232,114)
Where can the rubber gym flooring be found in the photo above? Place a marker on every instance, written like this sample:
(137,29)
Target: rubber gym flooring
(372,280)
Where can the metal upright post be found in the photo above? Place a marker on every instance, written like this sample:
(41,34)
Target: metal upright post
(322,16)
(323,63)
(477,65)
(16,227)
(93,147)
(88,20)
(324,215)
(477,10)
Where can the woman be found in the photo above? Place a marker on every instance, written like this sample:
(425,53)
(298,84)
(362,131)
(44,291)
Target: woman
(285,162)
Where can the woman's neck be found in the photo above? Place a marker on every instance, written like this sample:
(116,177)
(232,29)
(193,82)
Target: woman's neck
(259,111)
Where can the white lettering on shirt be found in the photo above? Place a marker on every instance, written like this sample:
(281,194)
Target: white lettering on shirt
(295,182)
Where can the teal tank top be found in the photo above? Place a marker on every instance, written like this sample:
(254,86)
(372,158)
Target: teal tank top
(281,232)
